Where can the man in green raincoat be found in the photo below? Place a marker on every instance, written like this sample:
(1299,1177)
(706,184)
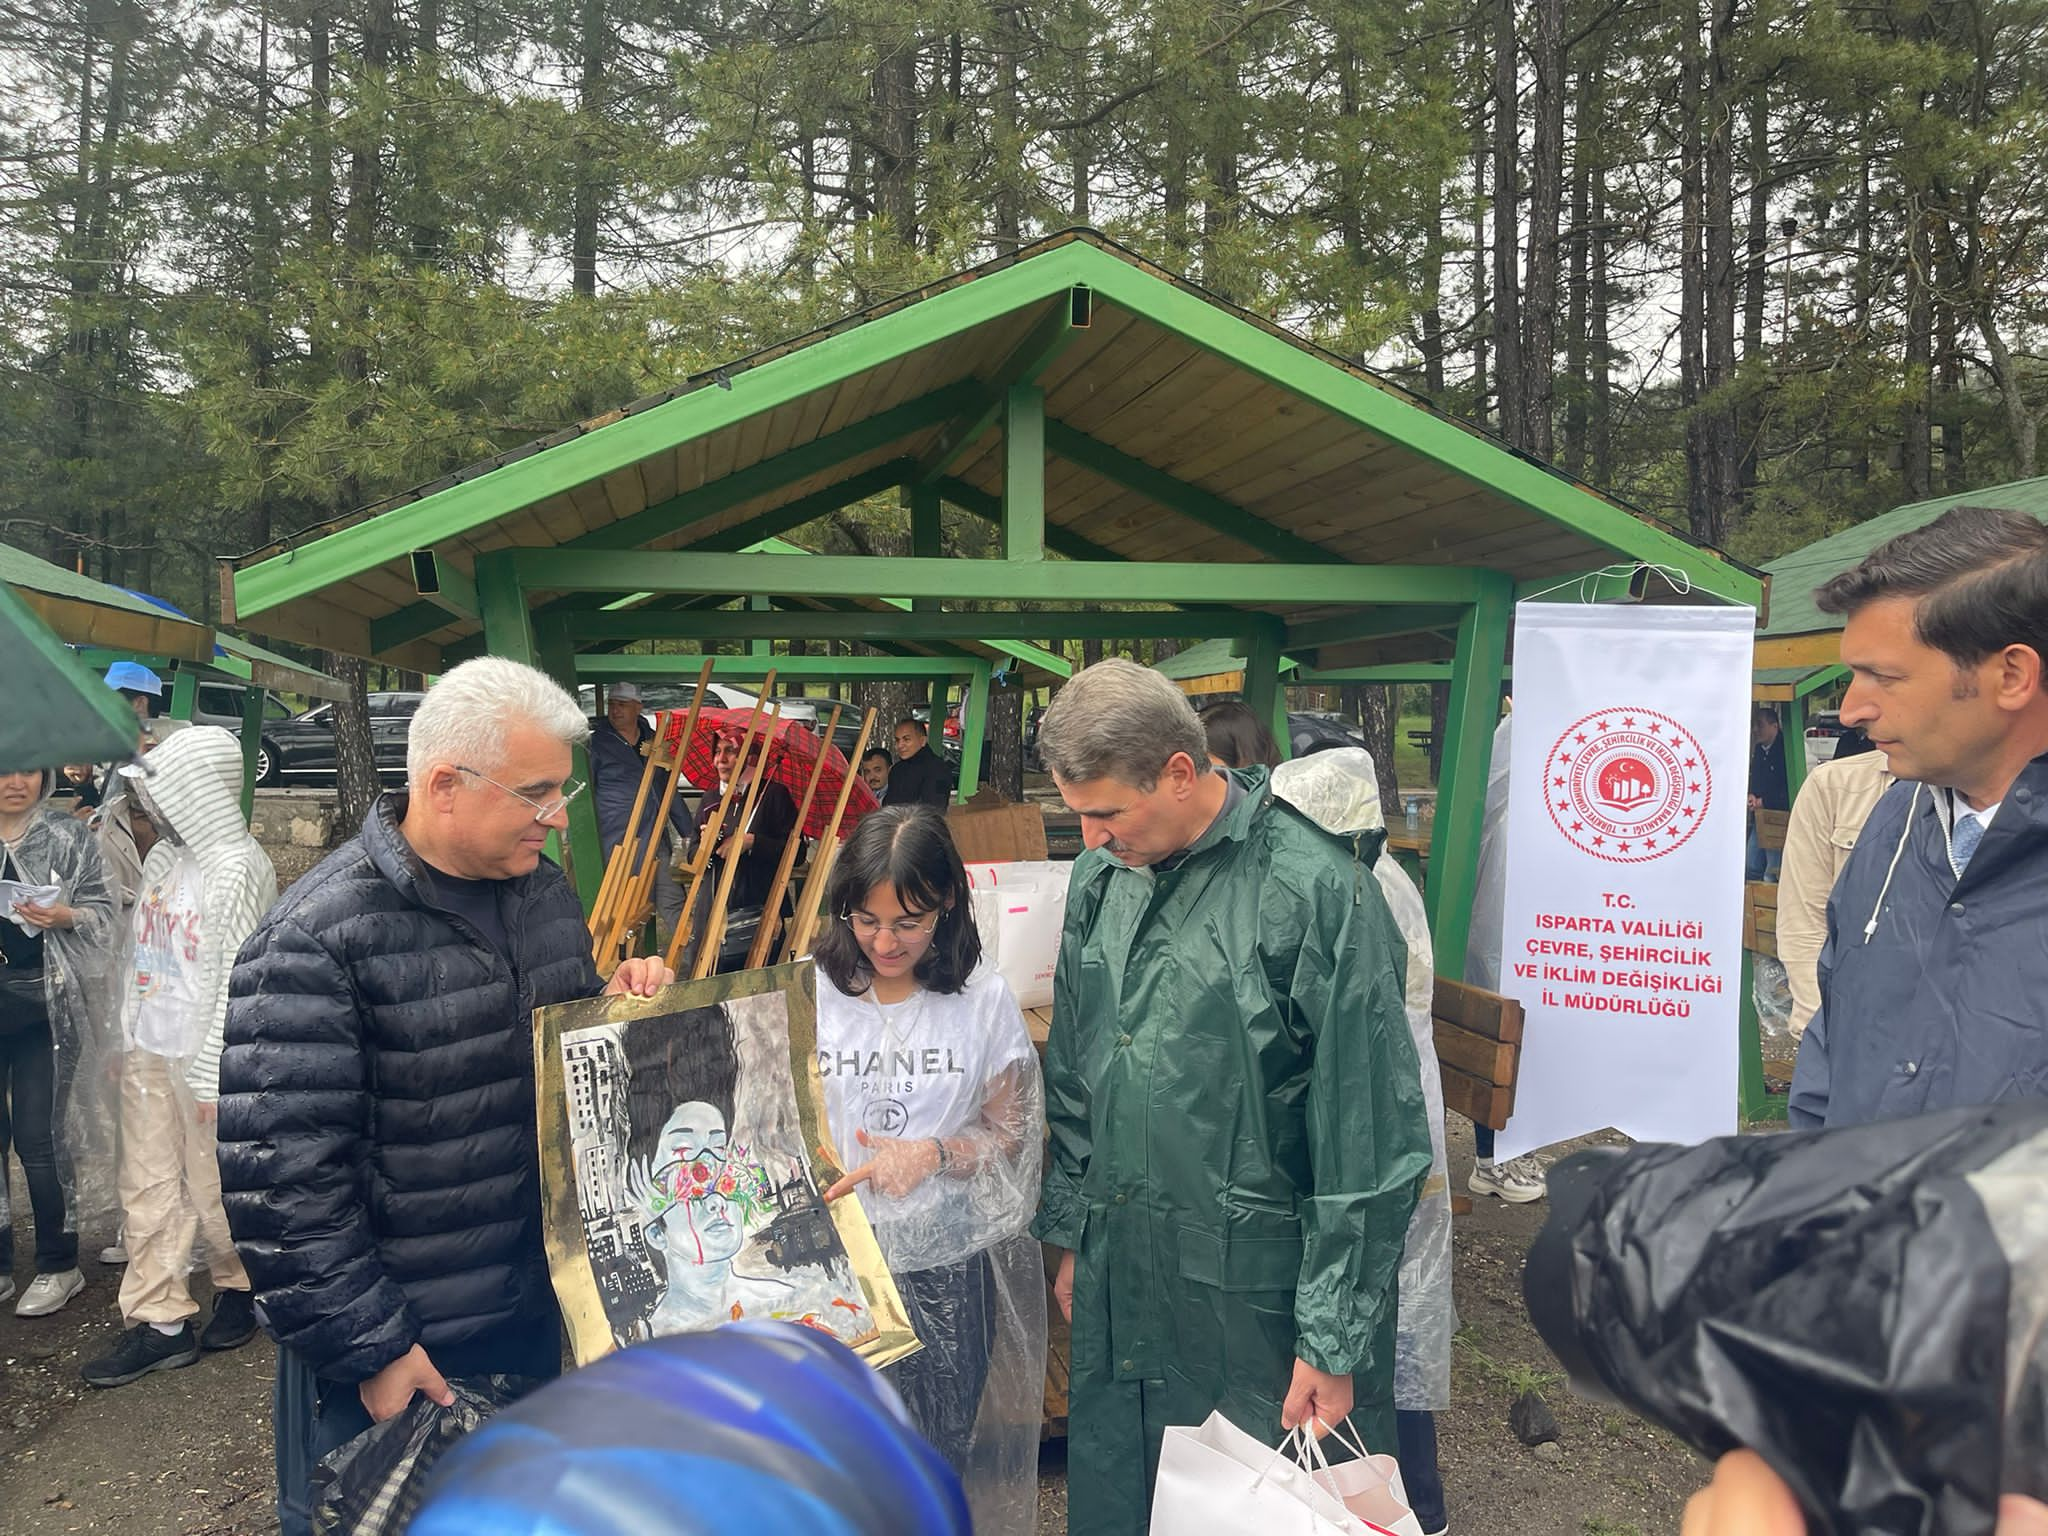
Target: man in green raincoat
(1237,1130)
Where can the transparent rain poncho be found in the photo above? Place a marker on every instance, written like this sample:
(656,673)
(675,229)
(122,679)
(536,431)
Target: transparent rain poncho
(960,1069)
(57,849)
(1339,791)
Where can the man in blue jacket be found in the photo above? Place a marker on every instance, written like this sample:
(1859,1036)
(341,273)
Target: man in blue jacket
(1934,978)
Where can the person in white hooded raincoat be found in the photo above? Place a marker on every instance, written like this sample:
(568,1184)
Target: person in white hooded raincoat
(1339,789)
(937,1112)
(204,885)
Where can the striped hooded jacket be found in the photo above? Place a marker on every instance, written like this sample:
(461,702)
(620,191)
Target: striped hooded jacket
(192,790)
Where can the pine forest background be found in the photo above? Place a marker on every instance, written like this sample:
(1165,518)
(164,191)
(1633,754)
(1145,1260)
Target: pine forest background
(1763,267)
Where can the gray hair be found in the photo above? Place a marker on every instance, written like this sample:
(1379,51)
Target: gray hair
(464,717)
(1119,720)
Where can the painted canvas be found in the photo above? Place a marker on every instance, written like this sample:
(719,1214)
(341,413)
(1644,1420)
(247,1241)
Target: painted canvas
(682,1160)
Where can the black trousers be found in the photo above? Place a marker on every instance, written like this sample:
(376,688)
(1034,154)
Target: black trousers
(953,1309)
(28,1122)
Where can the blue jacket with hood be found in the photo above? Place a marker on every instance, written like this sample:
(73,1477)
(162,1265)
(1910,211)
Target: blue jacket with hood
(1934,983)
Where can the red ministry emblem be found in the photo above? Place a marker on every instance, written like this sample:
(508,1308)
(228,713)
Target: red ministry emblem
(1627,785)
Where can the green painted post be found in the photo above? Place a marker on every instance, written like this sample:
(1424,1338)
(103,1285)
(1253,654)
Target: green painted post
(586,845)
(1263,694)
(1024,473)
(760,645)
(973,731)
(508,627)
(1753,1100)
(1468,750)
(252,745)
(1792,728)
(184,693)
(508,632)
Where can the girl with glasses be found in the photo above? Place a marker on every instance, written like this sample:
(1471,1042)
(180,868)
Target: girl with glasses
(934,1103)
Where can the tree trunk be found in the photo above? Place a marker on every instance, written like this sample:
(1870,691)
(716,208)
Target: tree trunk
(1507,314)
(1599,303)
(355,763)
(1439,721)
(1372,706)
(1008,213)
(1916,466)
(1481,319)
(1576,280)
(1692,302)
(1546,192)
(896,149)
(1756,284)
(1719,244)
(1003,750)
(587,212)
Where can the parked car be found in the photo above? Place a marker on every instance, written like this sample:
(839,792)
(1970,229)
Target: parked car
(1308,730)
(677,696)
(221,704)
(303,745)
(1824,732)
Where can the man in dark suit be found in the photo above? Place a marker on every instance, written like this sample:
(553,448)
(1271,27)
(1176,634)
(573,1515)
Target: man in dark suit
(1768,787)
(919,776)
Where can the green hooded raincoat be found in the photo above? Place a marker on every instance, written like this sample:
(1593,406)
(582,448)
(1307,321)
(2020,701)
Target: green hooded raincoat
(1237,1141)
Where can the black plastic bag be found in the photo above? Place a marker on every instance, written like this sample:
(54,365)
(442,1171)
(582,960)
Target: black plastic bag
(1865,1308)
(372,1485)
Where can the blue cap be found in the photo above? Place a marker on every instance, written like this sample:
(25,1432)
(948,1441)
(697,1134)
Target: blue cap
(136,678)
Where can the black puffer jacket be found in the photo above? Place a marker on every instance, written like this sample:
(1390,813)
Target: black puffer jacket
(377,1143)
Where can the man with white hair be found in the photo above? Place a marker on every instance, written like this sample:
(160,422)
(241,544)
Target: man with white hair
(377,1145)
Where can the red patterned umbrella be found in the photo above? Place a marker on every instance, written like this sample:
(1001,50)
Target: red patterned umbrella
(792,752)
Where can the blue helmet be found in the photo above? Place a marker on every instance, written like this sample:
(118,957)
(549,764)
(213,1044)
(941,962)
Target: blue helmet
(134,677)
(765,1427)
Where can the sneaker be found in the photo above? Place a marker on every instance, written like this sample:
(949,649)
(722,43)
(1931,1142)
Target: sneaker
(49,1293)
(142,1349)
(1517,1182)
(233,1323)
(115,1252)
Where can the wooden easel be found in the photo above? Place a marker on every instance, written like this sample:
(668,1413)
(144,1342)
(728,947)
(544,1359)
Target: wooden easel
(771,909)
(805,925)
(707,848)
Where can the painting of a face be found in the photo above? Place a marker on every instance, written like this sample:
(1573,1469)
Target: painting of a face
(677,1174)
(694,1223)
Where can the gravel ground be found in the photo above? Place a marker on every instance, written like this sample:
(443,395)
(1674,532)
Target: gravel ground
(187,1453)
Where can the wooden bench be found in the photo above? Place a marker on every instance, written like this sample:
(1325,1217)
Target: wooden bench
(1760,918)
(1478,1051)
(1771,827)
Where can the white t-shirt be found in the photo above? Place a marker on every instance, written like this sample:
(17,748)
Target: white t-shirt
(166,971)
(913,1070)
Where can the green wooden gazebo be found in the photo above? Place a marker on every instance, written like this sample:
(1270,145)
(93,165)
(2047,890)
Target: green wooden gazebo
(1132,440)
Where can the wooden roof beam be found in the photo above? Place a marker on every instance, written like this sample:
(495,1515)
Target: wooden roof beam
(1176,495)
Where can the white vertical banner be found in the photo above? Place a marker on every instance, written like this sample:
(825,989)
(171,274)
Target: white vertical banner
(1622,932)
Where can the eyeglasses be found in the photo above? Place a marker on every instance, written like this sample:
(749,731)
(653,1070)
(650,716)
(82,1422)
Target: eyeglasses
(543,810)
(905,929)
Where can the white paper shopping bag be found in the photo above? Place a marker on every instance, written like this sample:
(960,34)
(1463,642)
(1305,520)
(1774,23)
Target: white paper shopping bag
(1216,1480)
(1370,1486)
